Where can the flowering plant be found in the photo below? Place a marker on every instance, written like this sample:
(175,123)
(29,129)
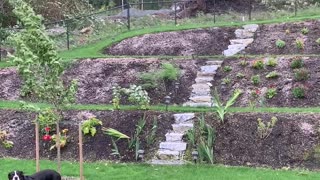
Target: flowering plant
(63,139)
(258,64)
(254,99)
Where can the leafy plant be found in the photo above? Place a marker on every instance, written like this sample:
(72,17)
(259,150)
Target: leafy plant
(255,79)
(300,43)
(226,81)
(240,75)
(301,74)
(63,139)
(318,41)
(3,140)
(254,98)
(137,96)
(135,140)
(115,137)
(273,74)
(264,130)
(304,30)
(206,141)
(191,136)
(89,126)
(296,63)
(151,136)
(271,92)
(220,109)
(116,97)
(244,63)
(258,64)
(272,62)
(298,92)
(227,68)
(280,44)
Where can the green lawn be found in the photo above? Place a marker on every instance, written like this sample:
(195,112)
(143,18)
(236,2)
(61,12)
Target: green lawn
(104,171)
(108,107)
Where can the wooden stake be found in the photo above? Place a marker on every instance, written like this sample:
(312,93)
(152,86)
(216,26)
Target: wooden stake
(58,147)
(80,153)
(37,147)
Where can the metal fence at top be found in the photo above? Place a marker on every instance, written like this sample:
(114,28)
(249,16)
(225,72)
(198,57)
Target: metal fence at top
(85,29)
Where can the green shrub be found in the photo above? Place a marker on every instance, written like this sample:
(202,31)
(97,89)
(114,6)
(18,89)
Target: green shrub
(271,92)
(299,43)
(273,74)
(149,80)
(301,74)
(304,30)
(272,62)
(227,68)
(280,44)
(265,129)
(318,41)
(255,80)
(298,92)
(168,72)
(297,63)
(258,64)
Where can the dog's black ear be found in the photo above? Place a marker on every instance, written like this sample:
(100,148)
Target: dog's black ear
(10,175)
(20,173)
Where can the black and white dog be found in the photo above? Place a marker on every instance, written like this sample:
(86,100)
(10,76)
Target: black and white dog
(42,175)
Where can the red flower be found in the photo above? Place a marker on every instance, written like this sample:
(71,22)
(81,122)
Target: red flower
(258,91)
(47,129)
(46,138)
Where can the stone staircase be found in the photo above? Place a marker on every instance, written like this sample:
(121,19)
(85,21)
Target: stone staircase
(171,151)
(244,37)
(201,93)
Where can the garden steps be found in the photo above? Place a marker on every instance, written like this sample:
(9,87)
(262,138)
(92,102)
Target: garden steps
(201,90)
(172,150)
(244,37)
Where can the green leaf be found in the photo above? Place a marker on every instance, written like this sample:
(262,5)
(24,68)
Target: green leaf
(93,131)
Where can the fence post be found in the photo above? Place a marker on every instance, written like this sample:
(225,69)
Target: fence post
(214,11)
(175,13)
(128,15)
(80,152)
(68,34)
(250,9)
(295,7)
(37,146)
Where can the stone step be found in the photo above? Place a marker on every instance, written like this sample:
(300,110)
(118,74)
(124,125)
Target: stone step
(205,74)
(192,104)
(201,87)
(168,155)
(251,27)
(183,117)
(214,62)
(182,127)
(233,49)
(173,146)
(204,79)
(243,34)
(167,162)
(173,137)
(245,42)
(200,93)
(201,99)
(209,68)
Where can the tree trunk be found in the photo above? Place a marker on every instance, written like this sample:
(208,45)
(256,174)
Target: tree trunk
(58,147)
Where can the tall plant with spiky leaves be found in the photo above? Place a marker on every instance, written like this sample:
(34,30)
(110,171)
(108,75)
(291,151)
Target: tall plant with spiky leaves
(220,109)
(39,65)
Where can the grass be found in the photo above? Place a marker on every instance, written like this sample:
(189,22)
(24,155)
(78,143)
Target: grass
(107,107)
(94,50)
(106,170)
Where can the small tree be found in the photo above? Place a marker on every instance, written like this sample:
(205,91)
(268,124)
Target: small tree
(39,65)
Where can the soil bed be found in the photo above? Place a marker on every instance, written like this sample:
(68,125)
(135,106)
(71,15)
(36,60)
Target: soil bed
(284,84)
(267,35)
(211,41)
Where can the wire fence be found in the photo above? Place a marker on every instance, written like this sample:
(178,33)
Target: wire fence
(85,29)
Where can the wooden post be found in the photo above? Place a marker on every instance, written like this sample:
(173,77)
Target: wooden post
(80,153)
(37,147)
(58,147)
